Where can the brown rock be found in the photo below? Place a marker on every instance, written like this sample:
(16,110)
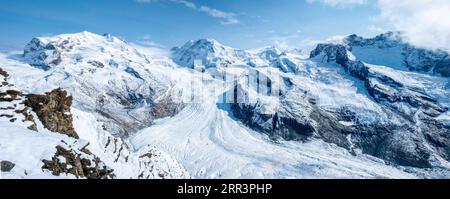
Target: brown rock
(3,73)
(53,110)
(78,164)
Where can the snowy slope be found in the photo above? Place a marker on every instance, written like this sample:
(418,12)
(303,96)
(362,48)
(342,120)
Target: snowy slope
(106,77)
(221,147)
(390,50)
(101,72)
(209,51)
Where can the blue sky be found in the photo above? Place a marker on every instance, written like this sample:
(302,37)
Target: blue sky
(238,23)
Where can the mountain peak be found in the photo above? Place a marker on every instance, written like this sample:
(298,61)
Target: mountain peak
(47,52)
(388,39)
(206,44)
(211,52)
(208,41)
(80,37)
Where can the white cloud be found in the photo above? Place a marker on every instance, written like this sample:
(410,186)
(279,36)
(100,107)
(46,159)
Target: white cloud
(338,3)
(375,30)
(226,17)
(186,3)
(147,41)
(150,48)
(425,23)
(309,43)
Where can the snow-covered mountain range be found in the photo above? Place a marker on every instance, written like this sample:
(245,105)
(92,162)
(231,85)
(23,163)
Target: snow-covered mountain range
(93,106)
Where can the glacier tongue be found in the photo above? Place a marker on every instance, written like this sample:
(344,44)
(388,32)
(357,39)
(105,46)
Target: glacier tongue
(211,144)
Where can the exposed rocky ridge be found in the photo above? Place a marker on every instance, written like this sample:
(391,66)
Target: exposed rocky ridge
(53,110)
(375,139)
(410,57)
(42,55)
(339,54)
(79,162)
(413,110)
(6,166)
(12,108)
(3,73)
(390,93)
(279,124)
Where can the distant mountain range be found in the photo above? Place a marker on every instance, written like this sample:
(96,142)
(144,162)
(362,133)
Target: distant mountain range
(93,106)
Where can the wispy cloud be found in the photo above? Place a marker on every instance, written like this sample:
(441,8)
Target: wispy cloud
(338,3)
(284,40)
(225,17)
(423,22)
(147,41)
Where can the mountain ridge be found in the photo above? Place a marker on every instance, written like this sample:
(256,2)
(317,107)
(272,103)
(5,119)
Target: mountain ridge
(125,97)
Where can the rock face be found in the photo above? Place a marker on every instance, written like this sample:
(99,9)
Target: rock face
(78,162)
(339,54)
(3,73)
(390,48)
(12,104)
(403,129)
(6,166)
(42,55)
(53,110)
(402,144)
(280,123)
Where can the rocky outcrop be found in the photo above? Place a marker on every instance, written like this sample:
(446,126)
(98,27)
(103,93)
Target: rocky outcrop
(150,166)
(3,73)
(413,58)
(339,54)
(6,166)
(415,107)
(166,108)
(9,95)
(278,123)
(53,110)
(12,104)
(79,162)
(42,55)
(3,78)
(274,125)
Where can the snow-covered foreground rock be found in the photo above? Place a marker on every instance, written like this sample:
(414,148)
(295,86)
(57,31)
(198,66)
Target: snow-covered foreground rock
(212,111)
(36,143)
